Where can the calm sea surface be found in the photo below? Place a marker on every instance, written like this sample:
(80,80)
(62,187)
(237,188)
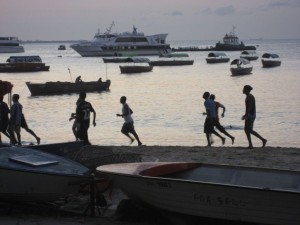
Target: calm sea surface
(167,102)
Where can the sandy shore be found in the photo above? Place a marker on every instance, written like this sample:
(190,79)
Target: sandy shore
(269,157)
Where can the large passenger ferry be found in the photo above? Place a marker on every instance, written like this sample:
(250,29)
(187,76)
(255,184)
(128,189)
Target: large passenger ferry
(123,44)
(10,45)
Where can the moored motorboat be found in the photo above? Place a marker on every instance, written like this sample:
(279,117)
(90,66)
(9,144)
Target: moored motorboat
(57,88)
(217,57)
(249,55)
(270,60)
(240,67)
(10,45)
(173,55)
(135,68)
(28,175)
(62,47)
(23,64)
(235,193)
(123,44)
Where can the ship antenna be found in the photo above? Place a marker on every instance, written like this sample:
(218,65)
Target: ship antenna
(109,29)
(70,74)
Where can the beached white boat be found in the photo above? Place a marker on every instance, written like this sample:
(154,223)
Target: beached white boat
(270,60)
(123,44)
(217,57)
(240,67)
(10,45)
(28,175)
(235,193)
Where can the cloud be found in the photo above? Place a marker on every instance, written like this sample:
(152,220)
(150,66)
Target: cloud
(284,3)
(224,11)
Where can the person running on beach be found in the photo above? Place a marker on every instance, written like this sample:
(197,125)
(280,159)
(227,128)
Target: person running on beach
(75,126)
(210,120)
(128,126)
(83,111)
(217,124)
(4,119)
(16,119)
(25,126)
(250,116)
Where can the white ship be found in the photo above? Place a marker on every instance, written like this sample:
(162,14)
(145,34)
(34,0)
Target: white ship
(10,45)
(123,44)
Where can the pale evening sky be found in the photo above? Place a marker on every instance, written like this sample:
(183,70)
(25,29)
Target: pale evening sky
(182,20)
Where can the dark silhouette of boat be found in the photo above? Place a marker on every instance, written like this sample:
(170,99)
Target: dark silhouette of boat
(136,68)
(171,62)
(57,88)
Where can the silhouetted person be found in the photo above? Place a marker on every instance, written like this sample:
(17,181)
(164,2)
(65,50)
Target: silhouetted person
(128,126)
(78,79)
(16,119)
(25,126)
(4,118)
(250,116)
(83,111)
(217,123)
(210,120)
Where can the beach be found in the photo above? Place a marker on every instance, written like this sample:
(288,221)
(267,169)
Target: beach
(268,157)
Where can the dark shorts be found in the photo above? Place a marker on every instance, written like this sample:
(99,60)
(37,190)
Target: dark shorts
(128,128)
(249,123)
(3,126)
(208,125)
(23,122)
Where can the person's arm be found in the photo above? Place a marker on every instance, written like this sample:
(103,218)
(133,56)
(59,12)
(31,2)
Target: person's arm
(94,116)
(224,109)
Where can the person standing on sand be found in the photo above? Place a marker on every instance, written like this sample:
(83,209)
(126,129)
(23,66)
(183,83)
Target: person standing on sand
(249,117)
(217,124)
(16,119)
(210,119)
(83,111)
(4,119)
(128,126)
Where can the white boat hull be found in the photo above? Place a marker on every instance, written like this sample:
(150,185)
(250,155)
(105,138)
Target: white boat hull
(213,200)
(11,49)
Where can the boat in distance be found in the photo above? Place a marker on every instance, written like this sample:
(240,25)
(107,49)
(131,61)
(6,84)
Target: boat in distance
(233,193)
(270,60)
(172,62)
(10,45)
(249,55)
(135,68)
(28,175)
(123,44)
(217,57)
(240,67)
(57,88)
(15,64)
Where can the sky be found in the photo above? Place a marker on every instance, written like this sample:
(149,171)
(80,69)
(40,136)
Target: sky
(180,19)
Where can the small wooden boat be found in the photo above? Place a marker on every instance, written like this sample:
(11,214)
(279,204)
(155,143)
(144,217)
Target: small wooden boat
(217,57)
(171,62)
(23,64)
(57,88)
(270,60)
(240,67)
(249,55)
(135,68)
(234,193)
(28,175)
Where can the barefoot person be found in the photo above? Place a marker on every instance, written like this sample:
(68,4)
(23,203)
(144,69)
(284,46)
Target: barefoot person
(15,120)
(211,117)
(128,121)
(4,118)
(249,117)
(217,124)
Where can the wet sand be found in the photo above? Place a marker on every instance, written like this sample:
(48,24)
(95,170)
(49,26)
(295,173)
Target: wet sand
(269,157)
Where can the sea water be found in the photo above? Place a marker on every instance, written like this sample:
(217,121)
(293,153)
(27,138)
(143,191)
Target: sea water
(167,102)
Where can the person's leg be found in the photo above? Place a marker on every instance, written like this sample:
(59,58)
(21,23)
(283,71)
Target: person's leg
(33,134)
(247,129)
(218,135)
(222,130)
(264,141)
(125,131)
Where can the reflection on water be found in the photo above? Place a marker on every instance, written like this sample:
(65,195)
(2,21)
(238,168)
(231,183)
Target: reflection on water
(167,102)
